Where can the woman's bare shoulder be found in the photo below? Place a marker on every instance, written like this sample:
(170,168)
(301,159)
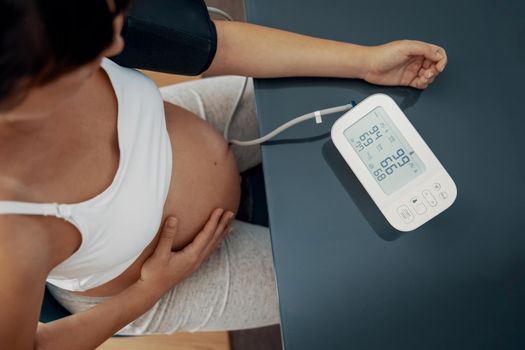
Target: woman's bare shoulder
(21,231)
(26,238)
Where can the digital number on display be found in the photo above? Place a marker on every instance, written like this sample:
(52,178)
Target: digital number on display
(384,150)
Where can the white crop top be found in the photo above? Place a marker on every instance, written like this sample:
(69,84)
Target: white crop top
(117,224)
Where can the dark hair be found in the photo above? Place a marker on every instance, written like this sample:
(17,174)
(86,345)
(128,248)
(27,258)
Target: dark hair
(43,39)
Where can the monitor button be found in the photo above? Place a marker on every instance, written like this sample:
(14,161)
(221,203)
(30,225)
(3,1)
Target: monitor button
(418,205)
(443,195)
(431,200)
(436,186)
(405,214)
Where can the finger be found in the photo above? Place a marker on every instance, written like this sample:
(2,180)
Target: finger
(423,86)
(420,48)
(427,63)
(229,229)
(202,239)
(419,83)
(219,233)
(168,231)
(429,73)
(226,232)
(217,241)
(440,65)
(226,220)
(434,71)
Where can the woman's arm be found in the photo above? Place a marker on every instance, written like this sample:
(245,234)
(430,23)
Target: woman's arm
(262,52)
(90,328)
(26,259)
(161,272)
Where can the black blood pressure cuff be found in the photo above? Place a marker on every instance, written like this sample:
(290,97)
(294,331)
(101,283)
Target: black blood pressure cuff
(171,36)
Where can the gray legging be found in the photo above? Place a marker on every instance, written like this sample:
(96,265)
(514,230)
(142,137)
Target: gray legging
(235,288)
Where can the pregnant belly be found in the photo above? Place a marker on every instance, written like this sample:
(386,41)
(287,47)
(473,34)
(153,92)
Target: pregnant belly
(204,177)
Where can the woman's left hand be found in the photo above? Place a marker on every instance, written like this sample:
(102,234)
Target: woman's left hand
(404,62)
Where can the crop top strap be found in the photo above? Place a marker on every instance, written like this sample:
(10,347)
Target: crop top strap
(47,209)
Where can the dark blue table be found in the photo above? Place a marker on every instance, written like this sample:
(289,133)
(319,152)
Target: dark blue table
(348,281)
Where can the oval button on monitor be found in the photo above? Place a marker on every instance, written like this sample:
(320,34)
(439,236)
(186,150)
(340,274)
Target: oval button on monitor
(431,200)
(418,205)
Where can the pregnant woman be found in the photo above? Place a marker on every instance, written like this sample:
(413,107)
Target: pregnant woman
(93,159)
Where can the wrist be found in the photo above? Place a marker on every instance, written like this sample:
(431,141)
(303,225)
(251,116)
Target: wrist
(146,291)
(358,61)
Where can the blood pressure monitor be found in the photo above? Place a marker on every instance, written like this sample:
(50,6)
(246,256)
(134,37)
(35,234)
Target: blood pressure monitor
(394,164)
